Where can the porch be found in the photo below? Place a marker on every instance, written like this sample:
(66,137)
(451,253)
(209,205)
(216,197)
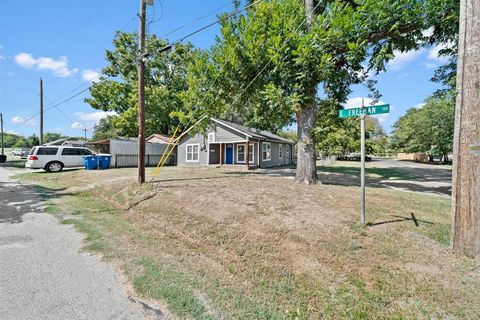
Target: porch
(234,154)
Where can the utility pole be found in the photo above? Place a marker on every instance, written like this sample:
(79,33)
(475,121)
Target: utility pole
(85,130)
(362,170)
(1,126)
(141,94)
(41,112)
(466,142)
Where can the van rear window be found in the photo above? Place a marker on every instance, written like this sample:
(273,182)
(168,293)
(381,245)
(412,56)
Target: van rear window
(47,151)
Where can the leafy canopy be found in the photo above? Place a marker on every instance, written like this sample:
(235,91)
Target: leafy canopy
(165,80)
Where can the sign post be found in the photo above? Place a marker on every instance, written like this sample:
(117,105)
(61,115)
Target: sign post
(362,113)
(362,168)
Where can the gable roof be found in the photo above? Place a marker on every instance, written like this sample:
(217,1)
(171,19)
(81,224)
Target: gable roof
(160,137)
(252,132)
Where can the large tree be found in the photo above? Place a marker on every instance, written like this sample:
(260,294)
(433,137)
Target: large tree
(165,80)
(273,66)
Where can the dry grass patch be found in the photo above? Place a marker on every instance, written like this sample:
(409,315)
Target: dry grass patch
(222,244)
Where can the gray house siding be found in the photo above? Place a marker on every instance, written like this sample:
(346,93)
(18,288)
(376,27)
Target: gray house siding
(225,134)
(275,160)
(182,150)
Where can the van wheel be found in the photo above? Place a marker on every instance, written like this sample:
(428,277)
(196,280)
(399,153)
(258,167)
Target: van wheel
(54,166)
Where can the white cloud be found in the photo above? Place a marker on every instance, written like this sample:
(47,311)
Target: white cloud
(419,106)
(403,58)
(77,125)
(357,103)
(2,57)
(20,120)
(90,75)
(59,67)
(94,116)
(433,54)
(428,32)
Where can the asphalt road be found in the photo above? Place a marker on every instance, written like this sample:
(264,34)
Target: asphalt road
(430,178)
(43,275)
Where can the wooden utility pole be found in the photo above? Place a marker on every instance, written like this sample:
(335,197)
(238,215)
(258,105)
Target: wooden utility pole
(141,94)
(466,143)
(85,131)
(1,126)
(41,112)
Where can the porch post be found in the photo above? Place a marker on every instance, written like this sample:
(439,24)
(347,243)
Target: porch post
(248,154)
(221,153)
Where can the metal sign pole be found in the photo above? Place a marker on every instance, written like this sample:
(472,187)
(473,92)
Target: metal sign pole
(362,170)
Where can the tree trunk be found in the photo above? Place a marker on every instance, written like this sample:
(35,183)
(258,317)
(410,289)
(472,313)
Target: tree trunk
(306,158)
(466,142)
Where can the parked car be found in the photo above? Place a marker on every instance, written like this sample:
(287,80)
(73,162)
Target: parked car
(55,158)
(20,152)
(353,157)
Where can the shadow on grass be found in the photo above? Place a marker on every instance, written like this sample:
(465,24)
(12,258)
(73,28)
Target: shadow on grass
(401,219)
(20,163)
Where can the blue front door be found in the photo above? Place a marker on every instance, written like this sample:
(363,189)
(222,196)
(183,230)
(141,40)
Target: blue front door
(229,154)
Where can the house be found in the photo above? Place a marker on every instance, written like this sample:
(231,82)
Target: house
(227,143)
(158,138)
(70,142)
(124,151)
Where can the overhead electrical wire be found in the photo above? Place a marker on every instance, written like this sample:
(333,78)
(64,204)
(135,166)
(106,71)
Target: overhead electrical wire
(102,77)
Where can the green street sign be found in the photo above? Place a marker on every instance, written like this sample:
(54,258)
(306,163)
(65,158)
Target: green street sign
(370,110)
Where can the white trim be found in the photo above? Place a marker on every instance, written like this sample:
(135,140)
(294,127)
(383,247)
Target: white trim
(235,129)
(270,144)
(251,144)
(253,153)
(280,146)
(238,141)
(211,134)
(208,154)
(244,147)
(198,152)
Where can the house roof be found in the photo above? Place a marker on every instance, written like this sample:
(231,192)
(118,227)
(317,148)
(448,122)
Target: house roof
(254,133)
(65,141)
(159,136)
(107,141)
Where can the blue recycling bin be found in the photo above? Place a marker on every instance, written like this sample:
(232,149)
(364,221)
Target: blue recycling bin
(104,162)
(90,162)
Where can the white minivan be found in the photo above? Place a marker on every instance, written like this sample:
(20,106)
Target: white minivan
(55,158)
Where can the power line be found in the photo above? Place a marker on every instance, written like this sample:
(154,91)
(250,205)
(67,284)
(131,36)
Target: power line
(169,46)
(196,20)
(101,78)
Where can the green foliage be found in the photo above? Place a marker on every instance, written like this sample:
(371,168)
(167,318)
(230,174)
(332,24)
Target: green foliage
(13,140)
(340,136)
(428,129)
(165,80)
(106,128)
(443,18)
(52,136)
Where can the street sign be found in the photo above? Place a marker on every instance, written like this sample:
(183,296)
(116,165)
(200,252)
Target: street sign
(362,113)
(370,110)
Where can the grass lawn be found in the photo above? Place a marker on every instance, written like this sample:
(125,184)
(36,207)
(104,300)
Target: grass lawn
(212,243)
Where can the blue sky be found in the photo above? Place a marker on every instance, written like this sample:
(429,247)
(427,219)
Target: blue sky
(64,43)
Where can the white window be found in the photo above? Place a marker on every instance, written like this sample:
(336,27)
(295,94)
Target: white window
(240,153)
(211,137)
(266,151)
(193,152)
(280,151)
(251,153)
